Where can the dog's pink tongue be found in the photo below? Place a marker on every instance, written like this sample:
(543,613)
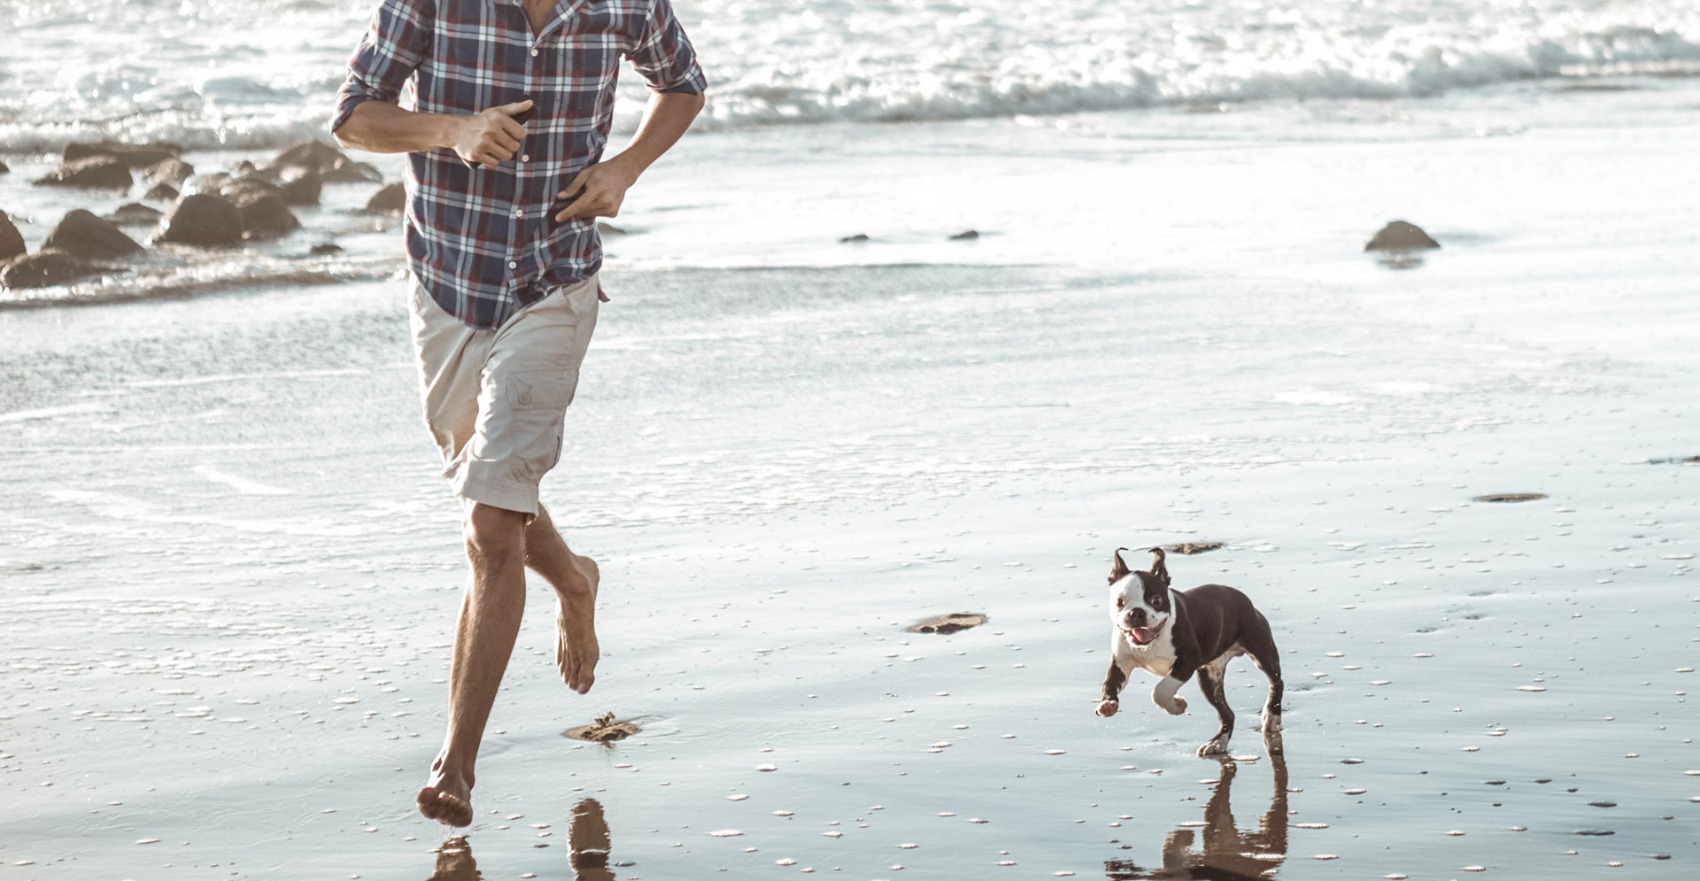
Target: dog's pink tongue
(1143,635)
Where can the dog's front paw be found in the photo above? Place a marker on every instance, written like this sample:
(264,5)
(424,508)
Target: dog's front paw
(1176,705)
(1108,708)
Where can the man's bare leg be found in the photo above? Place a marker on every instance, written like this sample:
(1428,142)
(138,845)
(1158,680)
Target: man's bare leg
(575,579)
(490,614)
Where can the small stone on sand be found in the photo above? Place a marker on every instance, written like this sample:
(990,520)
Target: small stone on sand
(1400,235)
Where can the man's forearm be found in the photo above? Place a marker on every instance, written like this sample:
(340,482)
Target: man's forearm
(381,127)
(665,120)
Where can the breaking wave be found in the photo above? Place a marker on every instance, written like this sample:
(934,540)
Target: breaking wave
(199,73)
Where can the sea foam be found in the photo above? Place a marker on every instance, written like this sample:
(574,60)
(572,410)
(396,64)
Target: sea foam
(212,74)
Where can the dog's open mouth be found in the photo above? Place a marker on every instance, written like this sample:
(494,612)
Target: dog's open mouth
(1142,635)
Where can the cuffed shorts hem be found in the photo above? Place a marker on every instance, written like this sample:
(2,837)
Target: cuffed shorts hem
(509,496)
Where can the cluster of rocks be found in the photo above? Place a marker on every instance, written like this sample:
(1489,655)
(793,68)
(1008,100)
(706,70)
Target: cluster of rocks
(224,209)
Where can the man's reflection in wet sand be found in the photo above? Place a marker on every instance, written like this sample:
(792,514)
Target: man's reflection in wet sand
(590,842)
(454,862)
(1227,854)
(588,837)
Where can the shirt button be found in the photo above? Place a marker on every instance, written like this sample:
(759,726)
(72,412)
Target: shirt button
(513,264)
(525,158)
(535,53)
(518,213)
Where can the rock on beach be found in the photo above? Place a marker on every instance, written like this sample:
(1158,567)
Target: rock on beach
(11,241)
(264,213)
(332,164)
(347,171)
(202,219)
(101,172)
(131,155)
(308,154)
(301,186)
(135,214)
(1401,236)
(170,170)
(91,238)
(44,268)
(392,199)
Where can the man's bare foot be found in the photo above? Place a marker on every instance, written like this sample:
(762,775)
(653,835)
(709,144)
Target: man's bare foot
(576,649)
(446,798)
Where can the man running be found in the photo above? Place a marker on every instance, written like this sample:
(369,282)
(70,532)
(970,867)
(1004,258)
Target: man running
(511,106)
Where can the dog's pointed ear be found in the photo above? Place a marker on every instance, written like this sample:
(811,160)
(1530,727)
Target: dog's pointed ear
(1118,566)
(1160,568)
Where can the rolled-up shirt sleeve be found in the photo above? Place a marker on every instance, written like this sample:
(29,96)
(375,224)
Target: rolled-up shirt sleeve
(664,55)
(389,53)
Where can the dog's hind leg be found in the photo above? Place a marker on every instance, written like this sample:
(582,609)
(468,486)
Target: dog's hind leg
(1211,680)
(1268,659)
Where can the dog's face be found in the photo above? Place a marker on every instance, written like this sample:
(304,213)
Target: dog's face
(1140,606)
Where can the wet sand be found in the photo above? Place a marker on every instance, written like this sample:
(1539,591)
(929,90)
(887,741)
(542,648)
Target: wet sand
(230,566)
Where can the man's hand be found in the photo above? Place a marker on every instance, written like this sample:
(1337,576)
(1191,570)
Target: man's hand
(491,137)
(597,191)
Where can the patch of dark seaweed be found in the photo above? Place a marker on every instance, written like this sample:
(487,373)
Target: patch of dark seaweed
(606,729)
(1505,498)
(1193,547)
(1675,460)
(952,622)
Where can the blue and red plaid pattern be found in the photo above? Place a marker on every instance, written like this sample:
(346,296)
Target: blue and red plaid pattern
(485,242)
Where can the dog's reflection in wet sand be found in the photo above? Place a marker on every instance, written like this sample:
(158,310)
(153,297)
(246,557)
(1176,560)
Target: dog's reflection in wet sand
(1227,853)
(588,836)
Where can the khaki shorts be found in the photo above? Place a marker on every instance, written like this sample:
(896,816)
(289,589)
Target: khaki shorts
(496,400)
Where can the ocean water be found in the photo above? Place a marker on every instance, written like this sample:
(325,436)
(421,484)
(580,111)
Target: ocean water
(223,73)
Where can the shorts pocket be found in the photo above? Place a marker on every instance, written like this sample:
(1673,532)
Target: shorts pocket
(541,389)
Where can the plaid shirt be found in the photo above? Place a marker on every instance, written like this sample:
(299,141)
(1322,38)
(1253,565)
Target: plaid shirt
(485,243)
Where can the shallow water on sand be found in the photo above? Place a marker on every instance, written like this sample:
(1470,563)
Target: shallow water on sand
(229,565)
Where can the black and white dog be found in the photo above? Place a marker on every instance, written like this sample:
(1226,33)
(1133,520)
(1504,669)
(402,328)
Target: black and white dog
(1174,633)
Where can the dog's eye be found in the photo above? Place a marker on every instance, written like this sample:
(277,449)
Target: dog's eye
(1121,602)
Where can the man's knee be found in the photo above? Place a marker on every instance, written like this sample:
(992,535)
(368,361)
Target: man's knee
(494,533)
